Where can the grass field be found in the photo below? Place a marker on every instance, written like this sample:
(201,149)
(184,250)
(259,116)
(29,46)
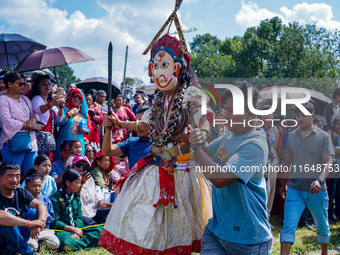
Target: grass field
(305,241)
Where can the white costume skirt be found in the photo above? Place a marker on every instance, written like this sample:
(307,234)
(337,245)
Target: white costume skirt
(136,226)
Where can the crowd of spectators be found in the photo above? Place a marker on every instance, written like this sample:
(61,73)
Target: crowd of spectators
(53,174)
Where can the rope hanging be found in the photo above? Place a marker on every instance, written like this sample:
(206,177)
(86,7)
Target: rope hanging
(172,18)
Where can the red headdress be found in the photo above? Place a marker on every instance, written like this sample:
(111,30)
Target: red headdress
(172,46)
(83,107)
(97,157)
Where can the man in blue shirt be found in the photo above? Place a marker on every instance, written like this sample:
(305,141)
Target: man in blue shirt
(135,147)
(240,223)
(59,166)
(139,102)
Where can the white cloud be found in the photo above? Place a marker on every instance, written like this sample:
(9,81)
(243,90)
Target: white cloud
(251,15)
(128,22)
(320,14)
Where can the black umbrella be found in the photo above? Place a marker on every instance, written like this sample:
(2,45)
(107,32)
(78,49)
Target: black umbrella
(14,47)
(320,101)
(98,83)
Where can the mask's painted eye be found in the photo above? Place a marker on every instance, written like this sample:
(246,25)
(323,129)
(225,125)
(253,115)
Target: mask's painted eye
(164,65)
(156,65)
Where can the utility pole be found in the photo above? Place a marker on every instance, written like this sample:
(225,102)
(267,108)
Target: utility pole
(126,54)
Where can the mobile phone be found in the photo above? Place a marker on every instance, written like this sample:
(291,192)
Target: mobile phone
(86,167)
(60,92)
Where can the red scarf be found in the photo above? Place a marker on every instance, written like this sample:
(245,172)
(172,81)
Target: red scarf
(70,105)
(97,157)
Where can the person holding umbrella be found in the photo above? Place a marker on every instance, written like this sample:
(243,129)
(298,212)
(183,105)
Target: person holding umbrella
(18,119)
(73,125)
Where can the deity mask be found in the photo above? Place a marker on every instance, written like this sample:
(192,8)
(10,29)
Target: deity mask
(164,71)
(167,62)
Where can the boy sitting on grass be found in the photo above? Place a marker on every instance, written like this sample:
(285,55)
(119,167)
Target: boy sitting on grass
(34,185)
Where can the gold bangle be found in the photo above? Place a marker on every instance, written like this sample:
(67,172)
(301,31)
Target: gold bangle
(208,131)
(137,129)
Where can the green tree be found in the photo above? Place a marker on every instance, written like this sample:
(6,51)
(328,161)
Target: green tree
(207,59)
(65,75)
(271,50)
(129,83)
(139,83)
(133,83)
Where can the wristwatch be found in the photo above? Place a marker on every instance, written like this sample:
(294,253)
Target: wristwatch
(322,182)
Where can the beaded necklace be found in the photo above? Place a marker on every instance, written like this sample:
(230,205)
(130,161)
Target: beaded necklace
(106,178)
(160,131)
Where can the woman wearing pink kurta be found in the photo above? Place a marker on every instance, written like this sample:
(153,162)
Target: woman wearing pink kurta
(123,113)
(96,120)
(17,115)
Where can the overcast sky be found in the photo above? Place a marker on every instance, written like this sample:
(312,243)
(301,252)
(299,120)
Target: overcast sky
(90,25)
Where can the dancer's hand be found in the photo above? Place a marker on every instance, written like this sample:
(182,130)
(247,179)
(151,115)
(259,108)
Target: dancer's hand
(196,137)
(115,120)
(110,121)
(186,135)
(107,122)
